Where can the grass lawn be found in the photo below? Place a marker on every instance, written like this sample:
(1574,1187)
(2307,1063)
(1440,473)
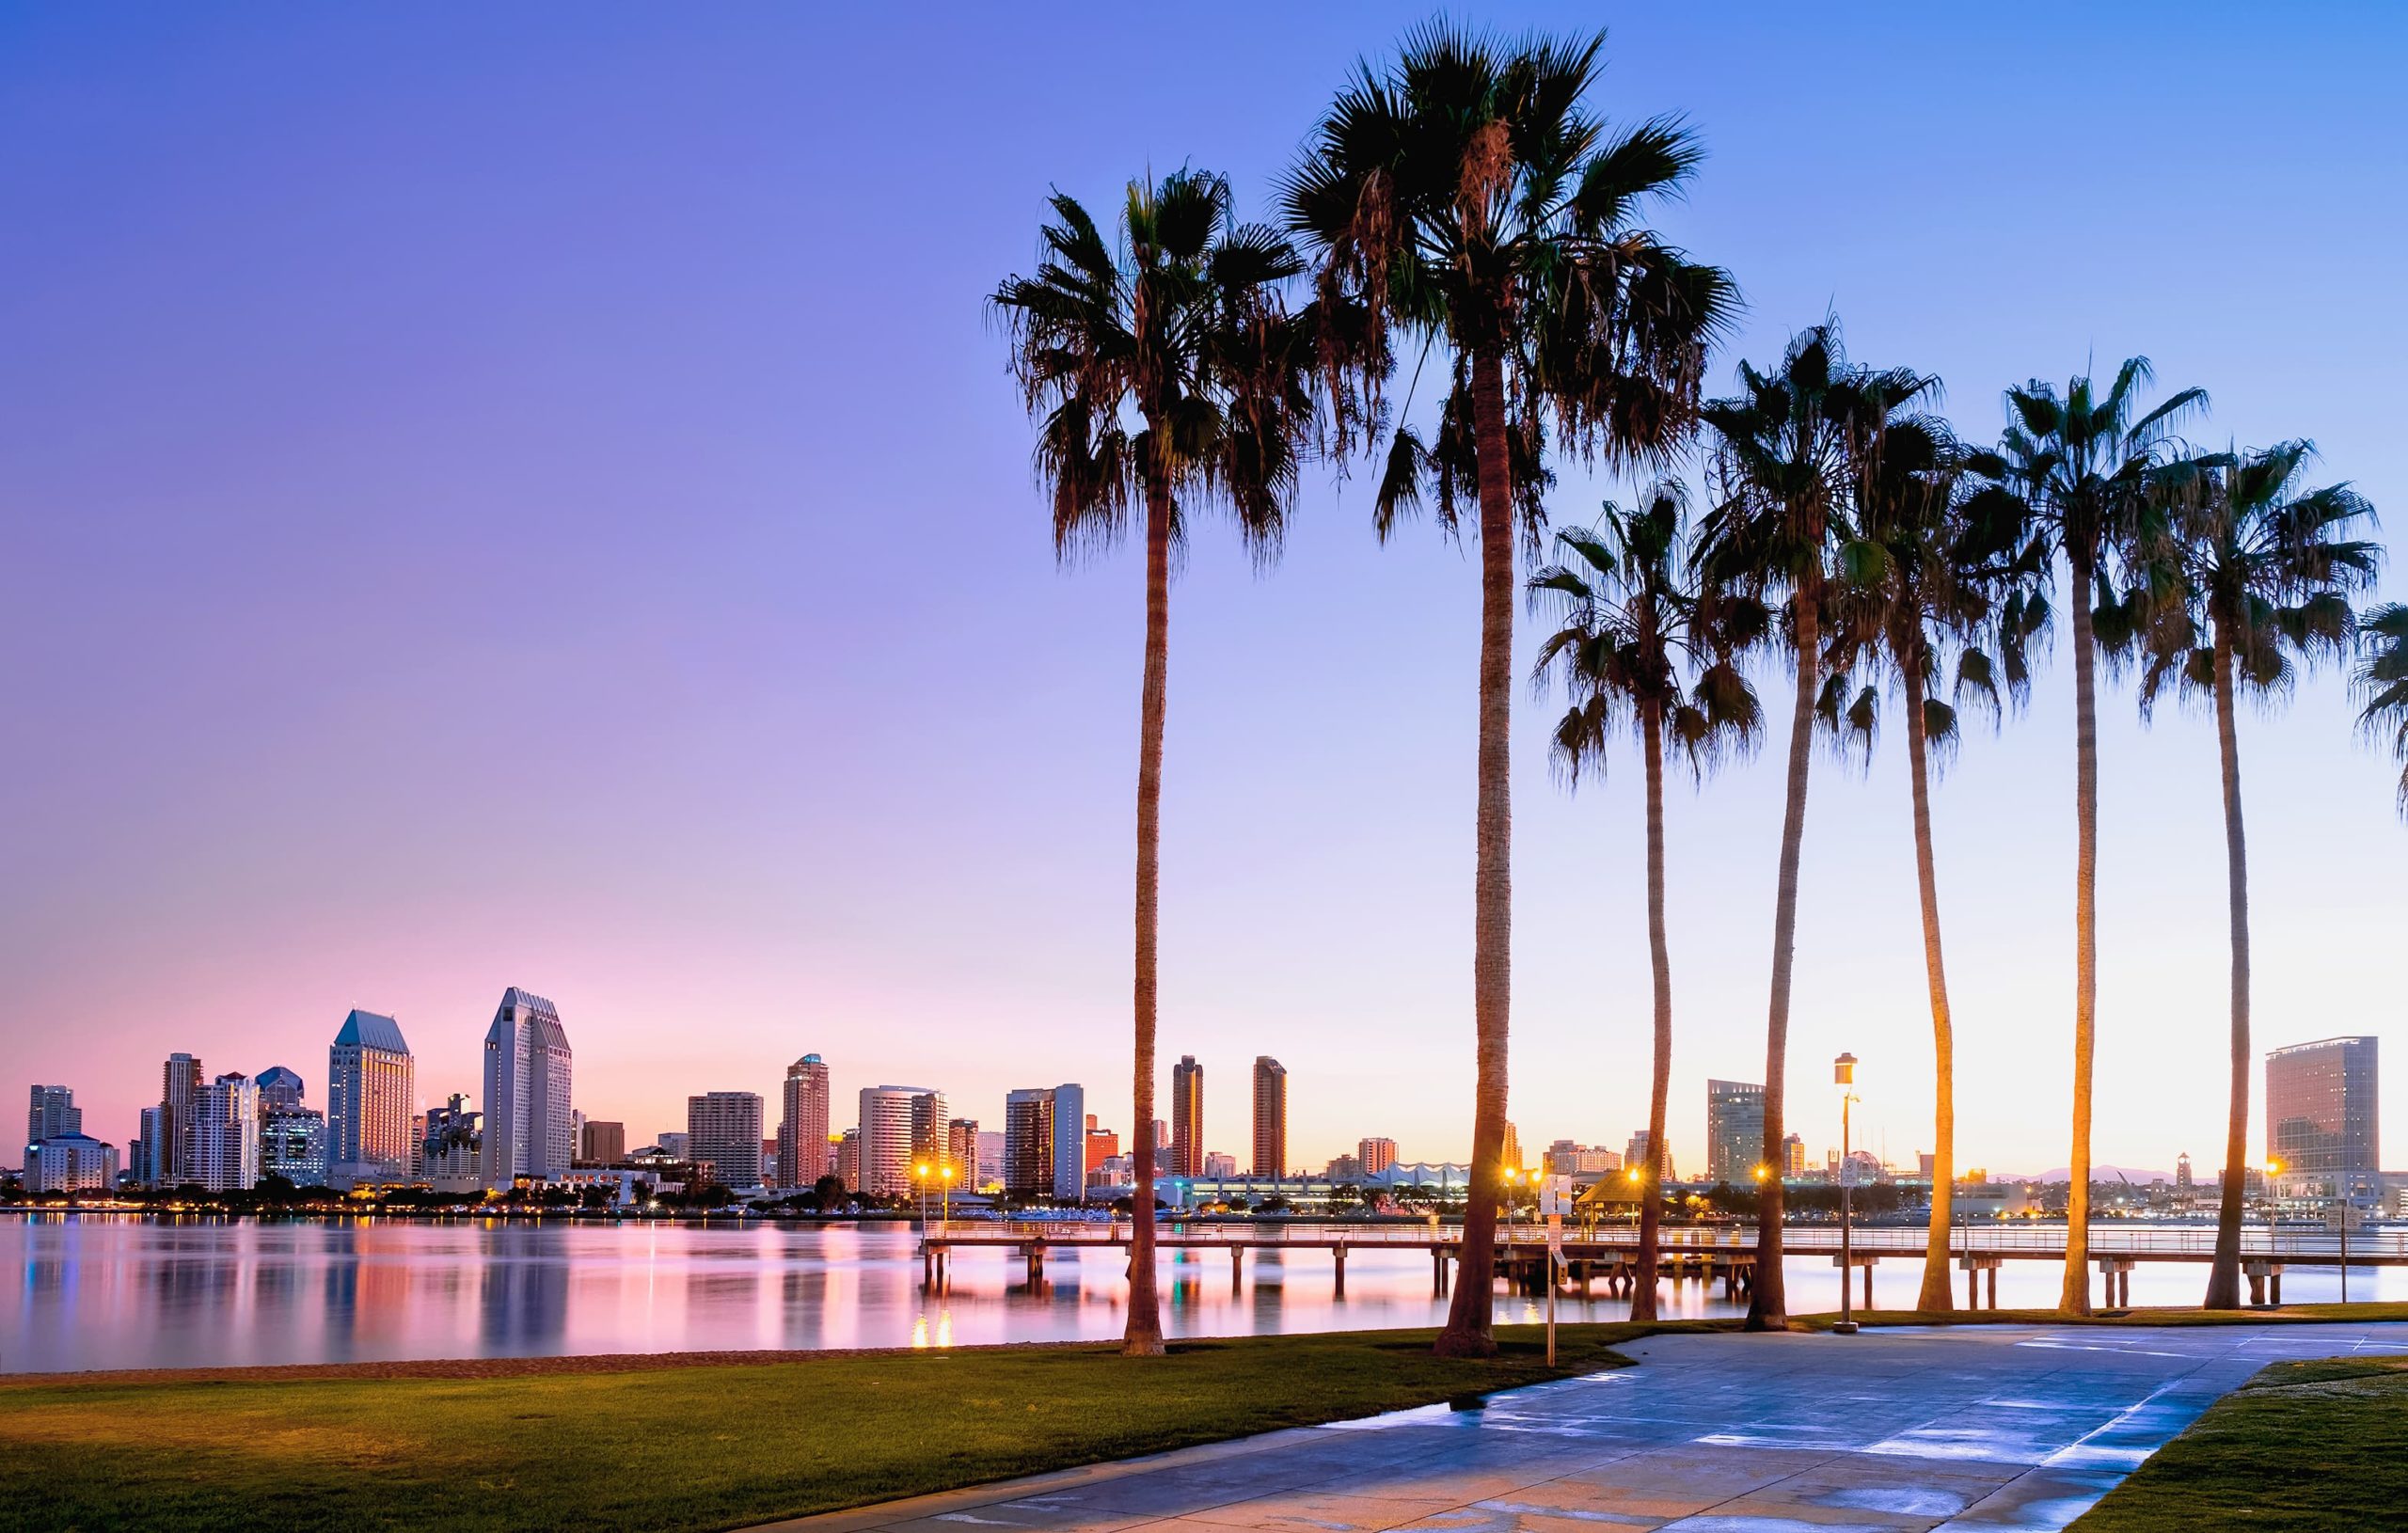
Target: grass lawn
(707,1446)
(2303,1447)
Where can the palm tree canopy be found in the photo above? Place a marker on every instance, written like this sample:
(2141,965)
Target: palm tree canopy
(1788,453)
(1634,633)
(2085,463)
(2233,547)
(2382,681)
(1464,195)
(1165,350)
(1945,567)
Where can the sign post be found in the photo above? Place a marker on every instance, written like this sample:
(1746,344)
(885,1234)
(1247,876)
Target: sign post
(1553,1196)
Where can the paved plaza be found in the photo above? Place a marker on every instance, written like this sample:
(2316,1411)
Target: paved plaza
(1977,1427)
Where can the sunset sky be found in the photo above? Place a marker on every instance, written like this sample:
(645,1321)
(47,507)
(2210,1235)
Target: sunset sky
(488,499)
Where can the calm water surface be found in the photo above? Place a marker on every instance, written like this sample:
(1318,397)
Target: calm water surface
(108,1291)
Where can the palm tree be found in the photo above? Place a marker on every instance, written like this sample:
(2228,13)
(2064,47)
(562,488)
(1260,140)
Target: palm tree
(1944,570)
(1166,374)
(1787,453)
(2382,680)
(1464,197)
(2242,568)
(2084,463)
(1633,623)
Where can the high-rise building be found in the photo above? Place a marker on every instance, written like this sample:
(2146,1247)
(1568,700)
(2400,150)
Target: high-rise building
(179,1082)
(2321,1119)
(849,1160)
(961,1153)
(1069,1143)
(71,1163)
(604,1143)
(1377,1155)
(1269,1116)
(372,1092)
(52,1115)
(528,1069)
(990,1157)
(293,1145)
(901,1126)
(1510,1156)
(724,1127)
(145,1152)
(451,1147)
(281,1090)
(1186,1118)
(1028,1142)
(1792,1156)
(1735,1131)
(1637,1156)
(1219,1165)
(802,1123)
(1102,1144)
(222,1135)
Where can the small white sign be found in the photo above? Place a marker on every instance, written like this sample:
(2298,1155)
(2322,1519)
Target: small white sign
(1556,1197)
(1851,1173)
(1555,1234)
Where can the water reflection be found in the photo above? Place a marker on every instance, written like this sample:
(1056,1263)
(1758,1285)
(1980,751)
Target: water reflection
(101,1291)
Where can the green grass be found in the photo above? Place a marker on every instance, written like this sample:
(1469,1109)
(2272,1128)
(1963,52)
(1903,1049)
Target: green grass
(696,1447)
(2303,1447)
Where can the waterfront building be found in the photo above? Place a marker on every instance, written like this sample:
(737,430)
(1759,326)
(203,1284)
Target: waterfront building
(1569,1158)
(1028,1142)
(371,1089)
(52,1114)
(71,1163)
(293,1145)
(1102,1144)
(672,1144)
(1635,1155)
(1269,1116)
(1070,1144)
(222,1135)
(2321,1123)
(1509,1156)
(1793,1156)
(1447,1181)
(961,1153)
(901,1128)
(1735,1131)
(802,1123)
(146,1151)
(1376,1155)
(281,1090)
(451,1150)
(849,1160)
(724,1127)
(602,1144)
(990,1157)
(527,1102)
(1345,1169)
(1219,1165)
(1186,1117)
(179,1082)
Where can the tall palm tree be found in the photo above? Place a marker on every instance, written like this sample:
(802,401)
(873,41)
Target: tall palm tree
(2241,569)
(2084,461)
(1167,376)
(1788,451)
(1945,570)
(1634,627)
(1463,196)
(2382,680)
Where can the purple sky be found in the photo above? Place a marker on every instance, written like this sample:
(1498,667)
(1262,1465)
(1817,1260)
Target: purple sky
(495,498)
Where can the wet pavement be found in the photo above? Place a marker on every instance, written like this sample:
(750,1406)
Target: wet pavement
(1979,1428)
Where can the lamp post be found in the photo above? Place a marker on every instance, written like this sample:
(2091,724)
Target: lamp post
(920,1175)
(1843,1076)
(946,1218)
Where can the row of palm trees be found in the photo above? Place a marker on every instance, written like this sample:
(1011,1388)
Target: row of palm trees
(1460,206)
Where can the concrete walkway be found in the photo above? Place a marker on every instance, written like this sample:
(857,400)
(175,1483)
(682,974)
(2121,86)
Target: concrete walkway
(1979,1428)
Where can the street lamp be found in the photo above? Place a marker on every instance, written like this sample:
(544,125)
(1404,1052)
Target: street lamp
(920,1175)
(1843,1076)
(947,1194)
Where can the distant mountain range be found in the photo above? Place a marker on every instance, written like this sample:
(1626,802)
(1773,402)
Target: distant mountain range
(2132,1173)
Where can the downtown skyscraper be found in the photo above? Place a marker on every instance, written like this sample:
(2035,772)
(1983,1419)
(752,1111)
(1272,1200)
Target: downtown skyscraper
(526,1100)
(371,1089)
(1269,1116)
(2322,1121)
(802,1123)
(902,1127)
(724,1129)
(1186,1119)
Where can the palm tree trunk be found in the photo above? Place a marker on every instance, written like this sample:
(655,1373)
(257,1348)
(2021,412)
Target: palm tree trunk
(1938,1293)
(1144,1336)
(1768,1300)
(1468,1331)
(2074,1298)
(1651,1200)
(2224,1277)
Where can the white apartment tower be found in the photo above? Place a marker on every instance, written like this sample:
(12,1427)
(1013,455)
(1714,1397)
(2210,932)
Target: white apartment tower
(528,1127)
(899,1124)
